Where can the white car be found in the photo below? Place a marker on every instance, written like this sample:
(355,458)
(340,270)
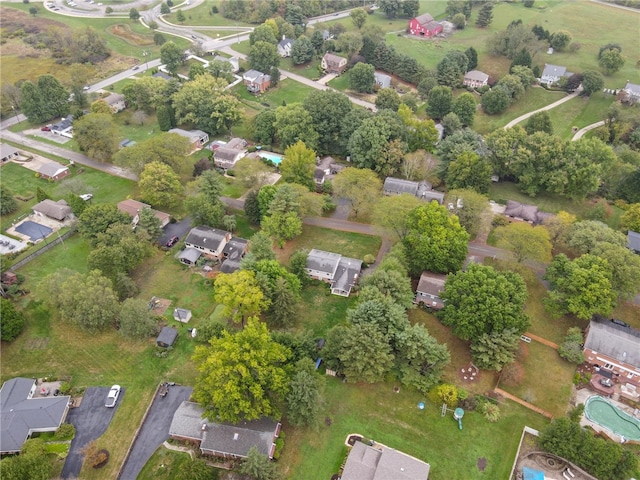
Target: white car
(86,196)
(112,398)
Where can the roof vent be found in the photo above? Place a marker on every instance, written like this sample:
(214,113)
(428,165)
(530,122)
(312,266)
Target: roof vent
(235,436)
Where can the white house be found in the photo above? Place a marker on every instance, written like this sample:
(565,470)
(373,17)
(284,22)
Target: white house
(341,272)
(382,79)
(553,73)
(116,102)
(284,47)
(198,138)
(475,79)
(633,89)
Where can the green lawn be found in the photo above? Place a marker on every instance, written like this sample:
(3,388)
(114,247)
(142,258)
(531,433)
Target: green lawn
(167,464)
(309,70)
(376,412)
(579,113)
(533,99)
(547,378)
(287,90)
(319,310)
(202,16)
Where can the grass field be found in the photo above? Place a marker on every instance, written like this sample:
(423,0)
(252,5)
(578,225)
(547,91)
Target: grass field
(166,464)
(376,412)
(202,16)
(579,113)
(319,310)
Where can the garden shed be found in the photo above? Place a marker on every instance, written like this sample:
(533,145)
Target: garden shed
(181,315)
(167,337)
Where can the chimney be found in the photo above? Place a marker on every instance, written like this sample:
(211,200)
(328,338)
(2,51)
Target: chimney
(283,37)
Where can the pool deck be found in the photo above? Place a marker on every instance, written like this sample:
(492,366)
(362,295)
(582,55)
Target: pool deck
(583,395)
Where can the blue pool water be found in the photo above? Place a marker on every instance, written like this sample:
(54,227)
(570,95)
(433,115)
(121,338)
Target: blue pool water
(274,157)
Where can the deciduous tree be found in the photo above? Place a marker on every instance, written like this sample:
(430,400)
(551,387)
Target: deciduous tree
(240,294)
(525,241)
(360,187)
(263,56)
(171,56)
(96,135)
(97,219)
(135,320)
(391,213)
(293,123)
(592,82)
(168,148)
(611,61)
(539,122)
(298,165)
(8,202)
(362,78)
(160,185)
(584,236)
(328,109)
(358,17)
(370,142)
(470,171)
(483,300)
(13,321)
(440,102)
(625,266)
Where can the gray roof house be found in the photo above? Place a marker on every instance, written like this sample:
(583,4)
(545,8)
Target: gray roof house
(189,256)
(422,190)
(229,266)
(369,463)
(7,152)
(633,241)
(475,79)
(224,439)
(167,337)
(226,155)
(209,241)
(382,79)
(116,102)
(64,127)
(341,272)
(235,248)
(429,288)
(553,73)
(614,347)
(284,47)
(198,138)
(633,89)
(22,415)
(53,171)
(48,208)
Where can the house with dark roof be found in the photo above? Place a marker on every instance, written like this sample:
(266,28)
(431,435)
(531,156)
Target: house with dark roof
(48,208)
(332,63)
(528,213)
(167,337)
(613,347)
(235,248)
(64,127)
(226,155)
(553,73)
(429,288)
(423,190)
(284,47)
(7,152)
(22,415)
(223,439)
(319,176)
(53,171)
(340,272)
(424,26)
(197,138)
(209,241)
(382,463)
(133,207)
(256,82)
(633,241)
(475,79)
(162,75)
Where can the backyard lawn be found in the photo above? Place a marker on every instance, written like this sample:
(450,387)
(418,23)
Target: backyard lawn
(579,113)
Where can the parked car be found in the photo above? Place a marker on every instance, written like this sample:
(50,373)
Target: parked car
(86,196)
(135,68)
(112,397)
(172,241)
(45,129)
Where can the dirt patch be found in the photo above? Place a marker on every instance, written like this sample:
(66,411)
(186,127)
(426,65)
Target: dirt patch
(124,31)
(12,20)
(36,343)
(159,305)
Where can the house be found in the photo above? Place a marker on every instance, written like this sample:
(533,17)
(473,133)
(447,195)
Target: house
(48,208)
(528,213)
(133,207)
(7,152)
(235,248)
(340,272)
(424,26)
(633,92)
(381,463)
(284,47)
(326,35)
(423,190)
(181,315)
(64,127)
(198,138)
(167,337)
(475,79)
(226,156)
(227,440)
(233,61)
(318,176)
(633,241)
(382,79)
(553,73)
(333,63)
(22,415)
(162,75)
(116,102)
(256,82)
(429,288)
(613,347)
(209,241)
(53,171)
(230,266)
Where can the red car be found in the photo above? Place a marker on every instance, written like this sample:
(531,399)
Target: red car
(45,129)
(172,241)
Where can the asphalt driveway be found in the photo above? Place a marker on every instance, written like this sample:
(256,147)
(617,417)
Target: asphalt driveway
(91,420)
(154,430)
(178,229)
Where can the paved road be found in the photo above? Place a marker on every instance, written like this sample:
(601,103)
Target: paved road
(548,107)
(68,154)
(91,420)
(580,133)
(154,431)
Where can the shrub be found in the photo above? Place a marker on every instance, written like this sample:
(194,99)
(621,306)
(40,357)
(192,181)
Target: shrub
(444,393)
(571,347)
(490,411)
(369,259)
(500,221)
(66,430)
(108,10)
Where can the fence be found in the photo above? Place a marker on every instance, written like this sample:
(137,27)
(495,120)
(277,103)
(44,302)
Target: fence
(42,250)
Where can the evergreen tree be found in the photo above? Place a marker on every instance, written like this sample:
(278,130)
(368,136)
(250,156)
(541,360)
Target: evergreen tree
(485,16)
(472,55)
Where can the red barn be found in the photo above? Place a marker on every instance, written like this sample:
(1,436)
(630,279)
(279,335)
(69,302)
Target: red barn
(424,26)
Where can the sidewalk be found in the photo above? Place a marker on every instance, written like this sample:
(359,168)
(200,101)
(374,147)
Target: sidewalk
(548,107)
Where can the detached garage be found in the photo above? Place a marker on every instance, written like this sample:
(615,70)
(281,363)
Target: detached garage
(167,337)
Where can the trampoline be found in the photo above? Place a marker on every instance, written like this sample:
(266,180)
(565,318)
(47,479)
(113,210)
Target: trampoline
(600,411)
(34,230)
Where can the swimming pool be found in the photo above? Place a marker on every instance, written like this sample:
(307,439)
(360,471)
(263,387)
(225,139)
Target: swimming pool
(34,230)
(610,417)
(274,157)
